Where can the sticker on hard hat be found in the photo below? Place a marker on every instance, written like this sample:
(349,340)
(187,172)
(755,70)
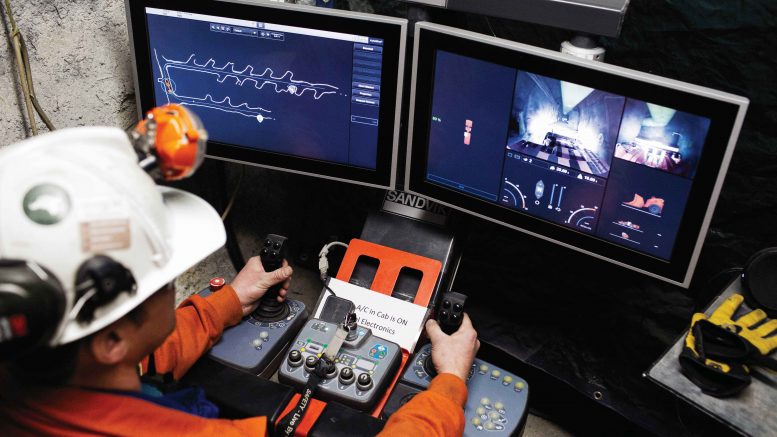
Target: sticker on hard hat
(102,235)
(46,204)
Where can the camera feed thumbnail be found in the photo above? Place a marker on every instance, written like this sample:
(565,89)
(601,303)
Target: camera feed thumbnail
(660,137)
(643,208)
(564,123)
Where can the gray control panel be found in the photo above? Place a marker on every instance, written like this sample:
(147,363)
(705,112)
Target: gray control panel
(252,345)
(497,400)
(363,367)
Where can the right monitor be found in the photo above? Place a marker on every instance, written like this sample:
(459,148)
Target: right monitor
(616,163)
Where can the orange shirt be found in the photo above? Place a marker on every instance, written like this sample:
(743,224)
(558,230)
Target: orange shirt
(71,411)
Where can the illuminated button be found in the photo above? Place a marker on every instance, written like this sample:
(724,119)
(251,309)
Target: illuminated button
(256,342)
(499,405)
(263,335)
(476,421)
(489,426)
(480,411)
(495,374)
(493,415)
(483,368)
(485,401)
(519,386)
(507,380)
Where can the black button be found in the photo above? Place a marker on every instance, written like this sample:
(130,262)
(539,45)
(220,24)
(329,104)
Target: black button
(457,307)
(264,252)
(455,319)
(311,361)
(267,242)
(443,315)
(346,373)
(276,246)
(446,303)
(295,356)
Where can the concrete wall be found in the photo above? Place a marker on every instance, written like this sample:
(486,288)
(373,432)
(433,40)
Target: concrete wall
(80,60)
(82,70)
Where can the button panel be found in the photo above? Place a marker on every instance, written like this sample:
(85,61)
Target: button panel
(363,368)
(497,399)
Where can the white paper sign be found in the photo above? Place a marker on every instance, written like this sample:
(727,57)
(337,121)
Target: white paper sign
(389,318)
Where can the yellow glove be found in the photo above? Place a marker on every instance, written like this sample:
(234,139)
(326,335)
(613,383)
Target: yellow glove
(744,326)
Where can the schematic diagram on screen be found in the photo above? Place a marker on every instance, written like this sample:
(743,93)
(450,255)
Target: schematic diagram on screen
(233,89)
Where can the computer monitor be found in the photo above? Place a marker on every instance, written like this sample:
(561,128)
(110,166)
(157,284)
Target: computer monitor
(612,162)
(303,89)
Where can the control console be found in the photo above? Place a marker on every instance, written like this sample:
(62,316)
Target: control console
(363,368)
(258,340)
(497,401)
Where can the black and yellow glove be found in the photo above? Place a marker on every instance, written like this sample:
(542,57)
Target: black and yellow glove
(718,349)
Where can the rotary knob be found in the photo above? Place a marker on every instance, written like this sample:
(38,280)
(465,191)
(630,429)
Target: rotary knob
(364,382)
(310,363)
(346,376)
(295,358)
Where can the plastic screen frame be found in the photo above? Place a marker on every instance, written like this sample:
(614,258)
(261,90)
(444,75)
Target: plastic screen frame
(392,30)
(726,111)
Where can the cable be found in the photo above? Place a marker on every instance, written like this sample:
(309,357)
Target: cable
(491,29)
(233,197)
(323,262)
(25,74)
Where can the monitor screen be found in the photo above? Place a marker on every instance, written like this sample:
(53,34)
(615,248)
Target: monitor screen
(288,87)
(616,163)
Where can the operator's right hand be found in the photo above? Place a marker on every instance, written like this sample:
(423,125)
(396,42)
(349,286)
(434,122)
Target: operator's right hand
(453,353)
(252,282)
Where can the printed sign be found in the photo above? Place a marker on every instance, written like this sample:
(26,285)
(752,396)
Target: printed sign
(389,318)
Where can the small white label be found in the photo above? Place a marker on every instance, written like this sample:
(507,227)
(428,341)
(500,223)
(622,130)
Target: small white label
(389,318)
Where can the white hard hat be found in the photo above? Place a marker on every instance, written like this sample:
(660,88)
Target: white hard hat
(72,194)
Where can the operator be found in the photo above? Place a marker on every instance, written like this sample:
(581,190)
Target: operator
(90,246)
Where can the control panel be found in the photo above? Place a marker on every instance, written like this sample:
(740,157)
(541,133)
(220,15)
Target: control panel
(252,345)
(497,401)
(363,367)
(258,341)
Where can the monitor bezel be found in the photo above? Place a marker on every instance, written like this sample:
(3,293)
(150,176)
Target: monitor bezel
(727,112)
(392,30)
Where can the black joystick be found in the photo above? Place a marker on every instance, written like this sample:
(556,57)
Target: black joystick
(272,254)
(451,312)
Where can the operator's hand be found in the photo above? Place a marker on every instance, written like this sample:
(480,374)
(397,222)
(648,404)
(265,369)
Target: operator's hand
(253,282)
(453,353)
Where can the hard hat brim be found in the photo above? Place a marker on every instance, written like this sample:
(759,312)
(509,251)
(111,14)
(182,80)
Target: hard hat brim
(195,231)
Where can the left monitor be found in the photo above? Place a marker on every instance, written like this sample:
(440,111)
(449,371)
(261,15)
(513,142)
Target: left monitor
(302,89)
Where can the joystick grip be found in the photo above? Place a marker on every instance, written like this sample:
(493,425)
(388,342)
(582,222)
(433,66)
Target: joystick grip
(271,255)
(451,312)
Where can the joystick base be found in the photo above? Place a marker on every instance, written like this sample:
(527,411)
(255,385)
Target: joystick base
(270,312)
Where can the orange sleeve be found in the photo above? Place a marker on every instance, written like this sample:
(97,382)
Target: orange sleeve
(438,411)
(199,324)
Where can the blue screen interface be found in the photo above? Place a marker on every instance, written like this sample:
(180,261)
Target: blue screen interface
(607,165)
(297,91)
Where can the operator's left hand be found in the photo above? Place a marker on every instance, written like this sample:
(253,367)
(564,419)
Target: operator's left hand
(253,282)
